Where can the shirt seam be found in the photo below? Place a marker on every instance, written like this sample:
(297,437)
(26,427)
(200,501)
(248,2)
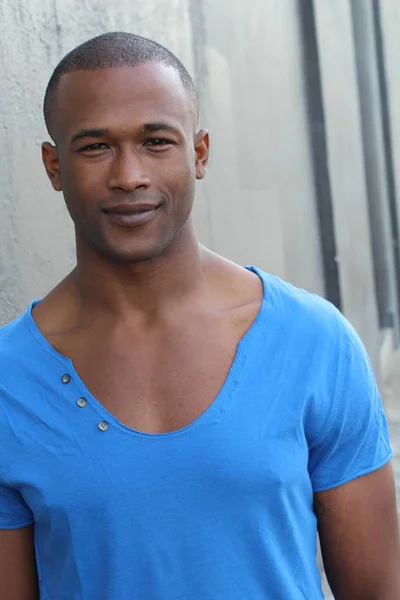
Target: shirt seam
(356,475)
(17,525)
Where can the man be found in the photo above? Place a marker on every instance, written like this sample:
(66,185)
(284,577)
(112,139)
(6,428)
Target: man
(168,419)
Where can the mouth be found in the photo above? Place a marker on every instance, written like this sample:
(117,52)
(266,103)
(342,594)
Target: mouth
(131,215)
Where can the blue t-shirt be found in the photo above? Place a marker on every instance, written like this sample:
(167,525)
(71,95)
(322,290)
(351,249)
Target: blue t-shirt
(221,509)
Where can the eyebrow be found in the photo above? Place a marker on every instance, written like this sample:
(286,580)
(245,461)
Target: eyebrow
(155,127)
(147,128)
(89,133)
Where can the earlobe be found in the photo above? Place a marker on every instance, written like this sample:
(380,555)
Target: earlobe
(202,149)
(52,165)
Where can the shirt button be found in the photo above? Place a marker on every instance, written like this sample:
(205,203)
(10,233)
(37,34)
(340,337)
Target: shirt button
(81,402)
(66,378)
(103,425)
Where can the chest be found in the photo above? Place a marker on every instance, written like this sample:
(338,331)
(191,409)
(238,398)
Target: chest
(244,453)
(159,381)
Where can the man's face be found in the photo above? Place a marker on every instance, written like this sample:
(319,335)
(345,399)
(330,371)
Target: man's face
(127,157)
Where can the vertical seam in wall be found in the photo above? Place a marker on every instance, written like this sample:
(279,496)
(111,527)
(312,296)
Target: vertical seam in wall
(317,136)
(379,217)
(58,28)
(388,150)
(199,37)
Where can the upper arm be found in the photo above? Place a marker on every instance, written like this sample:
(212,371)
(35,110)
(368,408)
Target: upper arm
(18,575)
(354,439)
(352,481)
(358,530)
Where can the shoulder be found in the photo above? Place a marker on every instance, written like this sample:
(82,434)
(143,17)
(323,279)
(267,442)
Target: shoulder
(15,334)
(318,347)
(329,360)
(18,349)
(12,336)
(302,313)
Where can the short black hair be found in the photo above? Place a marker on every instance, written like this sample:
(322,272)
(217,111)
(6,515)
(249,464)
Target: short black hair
(112,50)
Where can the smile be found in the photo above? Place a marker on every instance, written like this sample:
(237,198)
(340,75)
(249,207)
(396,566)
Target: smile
(131,215)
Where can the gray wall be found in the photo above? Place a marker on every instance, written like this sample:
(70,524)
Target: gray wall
(259,202)
(390,19)
(346,166)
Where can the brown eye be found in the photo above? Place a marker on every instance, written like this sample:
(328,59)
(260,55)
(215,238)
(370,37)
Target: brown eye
(158,142)
(93,147)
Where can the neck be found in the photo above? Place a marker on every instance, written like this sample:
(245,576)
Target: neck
(148,287)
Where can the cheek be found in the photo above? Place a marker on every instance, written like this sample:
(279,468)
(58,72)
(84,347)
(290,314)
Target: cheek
(181,191)
(80,187)
(184,178)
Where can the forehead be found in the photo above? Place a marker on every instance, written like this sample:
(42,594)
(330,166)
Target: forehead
(123,96)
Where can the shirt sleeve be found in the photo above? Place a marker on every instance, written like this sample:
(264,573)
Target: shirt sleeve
(14,513)
(356,440)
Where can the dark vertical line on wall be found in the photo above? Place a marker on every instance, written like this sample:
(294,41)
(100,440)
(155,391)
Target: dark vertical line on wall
(199,41)
(387,140)
(375,163)
(316,119)
(57,29)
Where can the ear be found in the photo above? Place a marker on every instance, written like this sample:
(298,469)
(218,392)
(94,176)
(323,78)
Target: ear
(51,164)
(202,150)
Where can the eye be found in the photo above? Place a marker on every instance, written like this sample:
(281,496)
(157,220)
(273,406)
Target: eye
(158,142)
(93,147)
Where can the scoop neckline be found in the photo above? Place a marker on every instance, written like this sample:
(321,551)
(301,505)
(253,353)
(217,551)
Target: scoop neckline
(225,390)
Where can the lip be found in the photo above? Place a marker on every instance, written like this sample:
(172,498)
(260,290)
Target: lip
(131,215)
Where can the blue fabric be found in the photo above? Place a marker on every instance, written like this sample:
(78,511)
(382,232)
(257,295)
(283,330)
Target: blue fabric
(219,510)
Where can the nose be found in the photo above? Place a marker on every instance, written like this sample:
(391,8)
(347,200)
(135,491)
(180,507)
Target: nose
(128,172)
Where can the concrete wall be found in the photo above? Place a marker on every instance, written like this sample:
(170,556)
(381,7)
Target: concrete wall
(346,167)
(259,203)
(390,21)
(262,205)
(389,13)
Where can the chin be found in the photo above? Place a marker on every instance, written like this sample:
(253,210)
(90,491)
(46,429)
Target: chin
(133,255)
(130,249)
